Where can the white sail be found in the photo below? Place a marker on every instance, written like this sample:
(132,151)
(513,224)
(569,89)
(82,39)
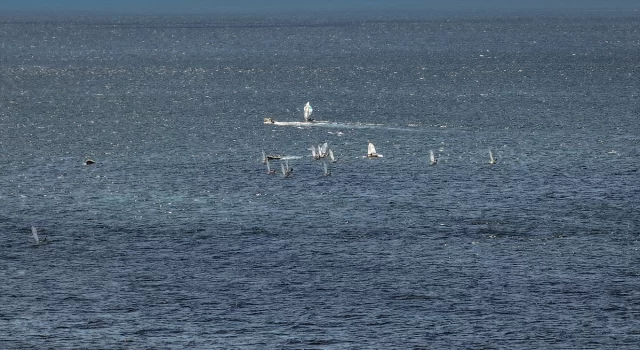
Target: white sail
(323,150)
(269,170)
(313,152)
(34,232)
(308,110)
(264,157)
(433,158)
(492,160)
(371,151)
(333,159)
(286,170)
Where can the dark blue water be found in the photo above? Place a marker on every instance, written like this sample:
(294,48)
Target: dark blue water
(178,238)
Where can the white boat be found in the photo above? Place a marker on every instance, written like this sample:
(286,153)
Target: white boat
(333,159)
(371,151)
(308,110)
(266,157)
(492,160)
(327,172)
(433,161)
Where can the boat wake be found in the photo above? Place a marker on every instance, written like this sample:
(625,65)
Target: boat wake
(327,124)
(291,157)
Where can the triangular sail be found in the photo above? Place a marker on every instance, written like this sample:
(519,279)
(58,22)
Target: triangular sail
(323,150)
(308,110)
(333,160)
(286,170)
(269,171)
(492,160)
(34,232)
(433,158)
(371,151)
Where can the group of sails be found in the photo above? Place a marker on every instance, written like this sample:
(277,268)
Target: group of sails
(323,151)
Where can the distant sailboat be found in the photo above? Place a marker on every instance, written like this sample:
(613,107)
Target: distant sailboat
(323,150)
(371,151)
(327,172)
(333,159)
(308,110)
(492,160)
(269,170)
(433,161)
(34,232)
(286,170)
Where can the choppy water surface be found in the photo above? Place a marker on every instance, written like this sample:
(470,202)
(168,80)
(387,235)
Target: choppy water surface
(177,237)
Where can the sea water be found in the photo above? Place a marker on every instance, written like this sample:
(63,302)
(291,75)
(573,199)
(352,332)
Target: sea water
(178,238)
